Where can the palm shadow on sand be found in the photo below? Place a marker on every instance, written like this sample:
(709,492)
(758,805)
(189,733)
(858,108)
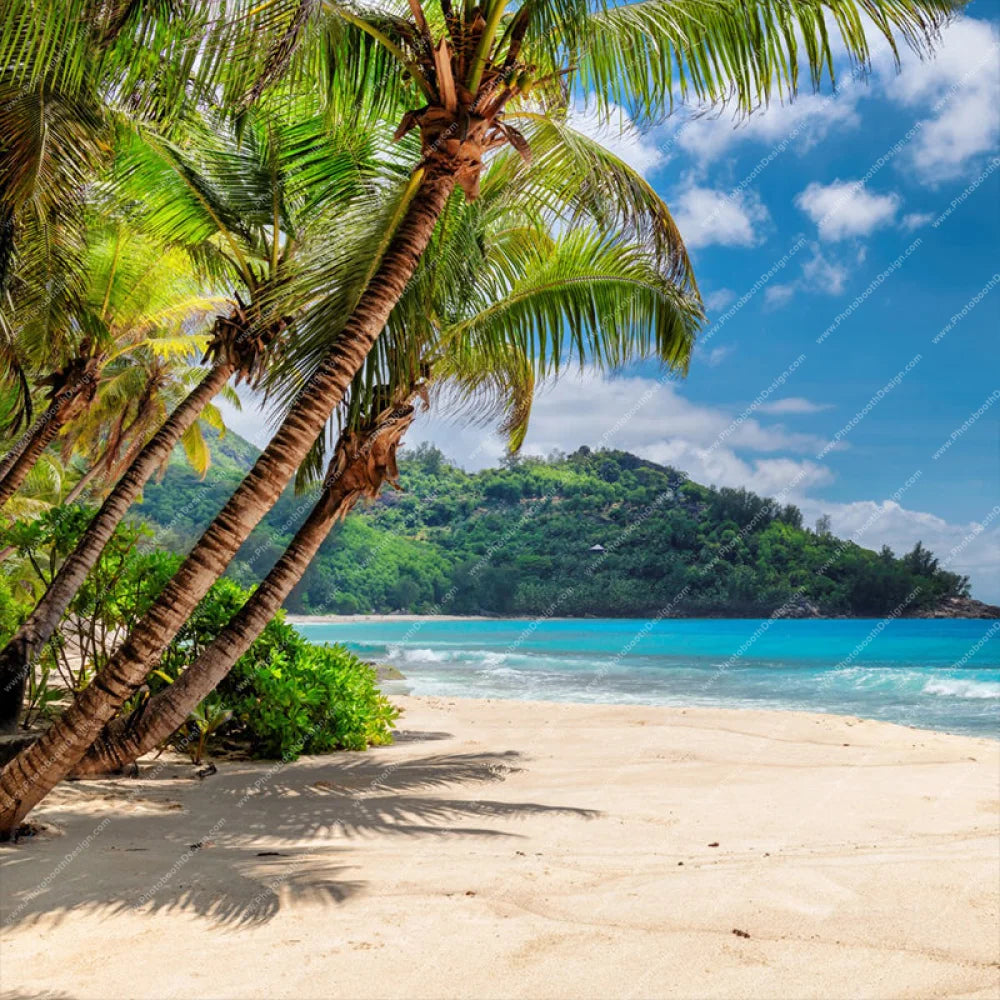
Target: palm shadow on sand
(233,852)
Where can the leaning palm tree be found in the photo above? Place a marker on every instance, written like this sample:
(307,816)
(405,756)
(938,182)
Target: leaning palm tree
(470,69)
(117,428)
(536,304)
(247,207)
(138,297)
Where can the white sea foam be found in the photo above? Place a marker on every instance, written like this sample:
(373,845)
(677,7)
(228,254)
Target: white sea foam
(959,687)
(401,655)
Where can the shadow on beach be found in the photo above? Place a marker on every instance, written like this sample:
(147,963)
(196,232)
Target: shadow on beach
(237,846)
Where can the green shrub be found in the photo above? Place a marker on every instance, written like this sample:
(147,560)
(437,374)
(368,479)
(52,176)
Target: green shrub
(312,699)
(285,696)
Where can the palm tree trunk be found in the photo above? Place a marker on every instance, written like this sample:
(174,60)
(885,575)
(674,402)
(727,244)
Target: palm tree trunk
(110,467)
(83,482)
(77,384)
(32,774)
(361,464)
(39,437)
(8,460)
(18,656)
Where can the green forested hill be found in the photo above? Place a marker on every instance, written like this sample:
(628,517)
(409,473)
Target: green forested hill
(521,540)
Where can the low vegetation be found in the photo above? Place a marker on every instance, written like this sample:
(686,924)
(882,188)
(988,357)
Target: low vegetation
(285,697)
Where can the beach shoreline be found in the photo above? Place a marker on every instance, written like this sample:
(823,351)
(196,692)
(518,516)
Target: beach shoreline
(531,850)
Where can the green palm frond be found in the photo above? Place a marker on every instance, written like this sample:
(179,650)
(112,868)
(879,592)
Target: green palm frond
(644,56)
(578,180)
(212,417)
(50,147)
(196,450)
(589,300)
(490,386)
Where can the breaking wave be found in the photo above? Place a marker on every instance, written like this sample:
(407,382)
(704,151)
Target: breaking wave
(957,687)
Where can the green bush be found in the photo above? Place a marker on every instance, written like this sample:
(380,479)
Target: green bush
(312,699)
(284,696)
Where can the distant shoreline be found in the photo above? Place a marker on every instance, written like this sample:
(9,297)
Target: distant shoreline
(295,619)
(379,619)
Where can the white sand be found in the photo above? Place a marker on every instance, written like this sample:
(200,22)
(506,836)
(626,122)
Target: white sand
(505,849)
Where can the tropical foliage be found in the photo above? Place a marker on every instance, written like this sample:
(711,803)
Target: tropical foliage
(516,539)
(285,697)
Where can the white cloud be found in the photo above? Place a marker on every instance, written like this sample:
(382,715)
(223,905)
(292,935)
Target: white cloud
(820,274)
(792,404)
(797,125)
(779,295)
(914,220)
(715,356)
(718,300)
(960,548)
(959,86)
(617,133)
(845,209)
(631,412)
(955,89)
(707,216)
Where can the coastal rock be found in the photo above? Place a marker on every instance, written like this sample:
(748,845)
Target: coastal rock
(386,672)
(798,608)
(962,607)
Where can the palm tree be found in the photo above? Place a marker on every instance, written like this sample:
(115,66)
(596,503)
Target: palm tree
(70,73)
(140,300)
(140,309)
(481,343)
(469,67)
(247,206)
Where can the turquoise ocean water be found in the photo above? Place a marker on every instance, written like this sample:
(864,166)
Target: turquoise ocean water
(933,674)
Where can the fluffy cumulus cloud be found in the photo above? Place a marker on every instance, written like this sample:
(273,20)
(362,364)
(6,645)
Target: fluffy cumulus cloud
(794,126)
(821,273)
(956,92)
(846,209)
(617,133)
(953,96)
(708,216)
(634,412)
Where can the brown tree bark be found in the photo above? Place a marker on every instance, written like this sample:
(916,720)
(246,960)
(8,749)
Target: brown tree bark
(30,776)
(361,464)
(19,655)
(74,387)
(111,465)
(40,436)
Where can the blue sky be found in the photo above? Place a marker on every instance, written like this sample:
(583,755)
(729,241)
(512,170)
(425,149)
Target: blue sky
(846,246)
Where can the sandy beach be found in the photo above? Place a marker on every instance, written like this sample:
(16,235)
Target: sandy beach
(508,849)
